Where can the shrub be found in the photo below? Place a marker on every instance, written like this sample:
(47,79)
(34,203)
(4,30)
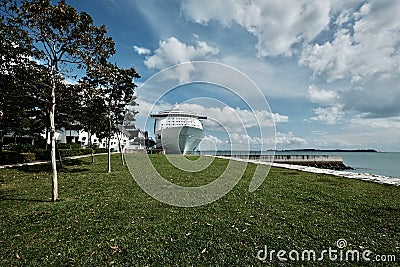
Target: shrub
(13,157)
(21,147)
(26,157)
(69,146)
(9,157)
(74,152)
(42,154)
(100,150)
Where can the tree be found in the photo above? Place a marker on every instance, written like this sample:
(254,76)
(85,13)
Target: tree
(67,112)
(92,113)
(18,75)
(65,39)
(117,86)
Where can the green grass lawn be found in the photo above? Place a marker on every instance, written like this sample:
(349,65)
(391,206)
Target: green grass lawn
(105,219)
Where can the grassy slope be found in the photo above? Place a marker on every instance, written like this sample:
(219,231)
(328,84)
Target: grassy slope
(104,219)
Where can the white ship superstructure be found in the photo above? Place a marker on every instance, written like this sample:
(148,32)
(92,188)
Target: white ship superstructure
(177,131)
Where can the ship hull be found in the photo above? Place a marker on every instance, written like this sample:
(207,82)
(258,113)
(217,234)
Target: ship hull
(179,140)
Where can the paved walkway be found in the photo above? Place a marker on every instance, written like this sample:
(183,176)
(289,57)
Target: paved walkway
(37,162)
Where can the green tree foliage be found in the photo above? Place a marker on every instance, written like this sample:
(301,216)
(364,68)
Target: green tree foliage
(19,75)
(63,38)
(92,111)
(41,44)
(117,88)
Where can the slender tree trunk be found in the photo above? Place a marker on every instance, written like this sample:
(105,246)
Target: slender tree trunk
(47,138)
(53,139)
(109,153)
(109,139)
(90,145)
(120,149)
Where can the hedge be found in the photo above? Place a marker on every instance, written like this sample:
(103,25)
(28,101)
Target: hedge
(74,152)
(13,157)
(27,157)
(42,154)
(100,150)
(69,146)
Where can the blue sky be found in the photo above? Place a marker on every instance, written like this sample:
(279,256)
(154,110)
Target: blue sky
(330,70)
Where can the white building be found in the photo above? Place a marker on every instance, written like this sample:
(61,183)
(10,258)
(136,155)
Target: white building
(64,136)
(137,138)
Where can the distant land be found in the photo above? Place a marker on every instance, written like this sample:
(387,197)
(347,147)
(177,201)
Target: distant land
(328,150)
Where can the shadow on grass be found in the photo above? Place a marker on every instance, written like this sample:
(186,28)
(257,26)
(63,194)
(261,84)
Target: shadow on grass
(16,198)
(68,167)
(45,167)
(75,162)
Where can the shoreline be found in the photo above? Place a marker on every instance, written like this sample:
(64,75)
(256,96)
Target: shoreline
(380,179)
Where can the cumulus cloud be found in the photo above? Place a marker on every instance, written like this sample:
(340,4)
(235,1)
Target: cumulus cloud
(330,115)
(368,47)
(212,139)
(278,25)
(210,142)
(288,139)
(377,123)
(323,97)
(172,51)
(141,50)
(232,120)
(235,119)
(281,140)
(239,141)
(354,41)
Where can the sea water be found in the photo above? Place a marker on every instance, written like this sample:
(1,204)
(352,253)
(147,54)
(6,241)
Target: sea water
(382,163)
(379,163)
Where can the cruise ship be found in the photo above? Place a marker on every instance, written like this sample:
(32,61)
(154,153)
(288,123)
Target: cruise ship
(177,131)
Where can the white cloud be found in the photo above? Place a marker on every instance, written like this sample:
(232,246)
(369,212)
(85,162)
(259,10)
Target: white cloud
(330,115)
(235,119)
(242,141)
(210,142)
(377,133)
(213,139)
(141,50)
(288,139)
(343,17)
(368,47)
(220,119)
(278,25)
(322,97)
(377,123)
(281,140)
(350,41)
(172,51)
